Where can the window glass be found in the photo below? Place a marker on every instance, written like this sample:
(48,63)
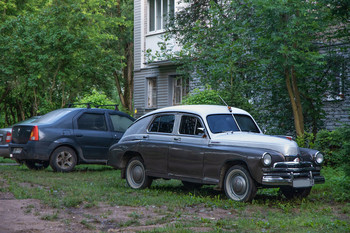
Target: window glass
(171,8)
(151,92)
(220,123)
(180,88)
(159,14)
(151,15)
(189,125)
(163,124)
(246,123)
(120,123)
(91,121)
(165,10)
(54,115)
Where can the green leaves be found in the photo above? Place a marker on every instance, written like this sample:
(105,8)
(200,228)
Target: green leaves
(250,48)
(52,51)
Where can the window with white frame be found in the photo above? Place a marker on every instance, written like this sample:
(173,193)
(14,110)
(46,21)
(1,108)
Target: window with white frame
(338,74)
(152,92)
(158,13)
(180,89)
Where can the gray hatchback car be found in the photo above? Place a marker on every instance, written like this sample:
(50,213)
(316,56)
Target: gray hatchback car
(214,145)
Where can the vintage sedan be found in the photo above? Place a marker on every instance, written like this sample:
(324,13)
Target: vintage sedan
(214,145)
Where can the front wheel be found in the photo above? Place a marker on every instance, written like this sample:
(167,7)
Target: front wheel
(239,185)
(36,165)
(63,159)
(290,192)
(135,174)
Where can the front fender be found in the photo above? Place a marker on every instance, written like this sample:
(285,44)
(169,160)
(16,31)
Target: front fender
(227,156)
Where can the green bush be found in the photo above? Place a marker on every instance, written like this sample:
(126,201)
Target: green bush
(330,143)
(95,98)
(207,96)
(335,146)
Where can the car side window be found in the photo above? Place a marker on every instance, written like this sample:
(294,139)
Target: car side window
(190,125)
(162,124)
(91,121)
(120,123)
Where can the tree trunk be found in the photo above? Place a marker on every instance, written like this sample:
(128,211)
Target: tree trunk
(294,96)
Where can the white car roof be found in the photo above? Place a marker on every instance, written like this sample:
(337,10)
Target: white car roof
(201,110)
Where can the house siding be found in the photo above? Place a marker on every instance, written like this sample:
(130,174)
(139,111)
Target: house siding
(337,112)
(137,34)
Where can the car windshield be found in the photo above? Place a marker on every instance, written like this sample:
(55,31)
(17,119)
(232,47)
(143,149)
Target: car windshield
(220,123)
(53,116)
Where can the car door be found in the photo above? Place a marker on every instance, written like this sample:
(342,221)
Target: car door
(92,134)
(119,124)
(186,153)
(155,144)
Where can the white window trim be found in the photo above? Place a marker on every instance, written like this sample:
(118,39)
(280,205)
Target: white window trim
(161,30)
(149,93)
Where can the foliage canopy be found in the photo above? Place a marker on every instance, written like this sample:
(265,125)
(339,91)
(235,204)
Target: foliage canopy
(267,52)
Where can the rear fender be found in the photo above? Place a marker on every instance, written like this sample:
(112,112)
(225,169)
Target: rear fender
(67,142)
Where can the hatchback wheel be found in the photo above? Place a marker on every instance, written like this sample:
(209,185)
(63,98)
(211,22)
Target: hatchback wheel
(239,185)
(36,165)
(63,159)
(135,174)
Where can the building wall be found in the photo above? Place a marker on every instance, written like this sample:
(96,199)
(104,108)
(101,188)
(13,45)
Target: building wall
(337,111)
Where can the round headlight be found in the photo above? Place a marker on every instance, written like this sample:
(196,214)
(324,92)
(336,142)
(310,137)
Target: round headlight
(319,158)
(266,159)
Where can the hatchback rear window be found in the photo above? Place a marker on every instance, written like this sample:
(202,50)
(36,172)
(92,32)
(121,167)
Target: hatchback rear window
(53,116)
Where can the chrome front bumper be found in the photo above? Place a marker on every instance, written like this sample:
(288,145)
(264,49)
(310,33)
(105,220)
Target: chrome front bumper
(300,175)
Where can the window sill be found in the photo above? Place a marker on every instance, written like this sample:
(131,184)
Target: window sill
(154,33)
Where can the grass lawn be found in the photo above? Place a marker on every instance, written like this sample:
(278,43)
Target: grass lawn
(327,209)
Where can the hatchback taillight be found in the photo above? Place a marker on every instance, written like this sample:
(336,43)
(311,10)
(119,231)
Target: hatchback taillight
(8,137)
(34,135)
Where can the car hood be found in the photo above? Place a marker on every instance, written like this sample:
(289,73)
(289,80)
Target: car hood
(255,140)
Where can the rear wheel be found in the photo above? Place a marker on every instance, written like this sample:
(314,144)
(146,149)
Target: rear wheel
(290,192)
(239,185)
(63,159)
(135,174)
(36,165)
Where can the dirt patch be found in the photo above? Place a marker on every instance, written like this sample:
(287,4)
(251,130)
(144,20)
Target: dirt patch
(30,215)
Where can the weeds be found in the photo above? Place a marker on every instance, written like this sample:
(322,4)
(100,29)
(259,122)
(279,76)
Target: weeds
(327,208)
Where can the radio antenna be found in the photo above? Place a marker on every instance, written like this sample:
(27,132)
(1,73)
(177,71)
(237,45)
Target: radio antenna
(223,100)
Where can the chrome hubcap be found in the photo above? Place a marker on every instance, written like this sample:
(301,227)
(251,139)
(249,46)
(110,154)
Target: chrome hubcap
(239,185)
(137,174)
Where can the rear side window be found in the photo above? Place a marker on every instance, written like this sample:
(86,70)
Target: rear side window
(90,121)
(189,125)
(163,124)
(120,123)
